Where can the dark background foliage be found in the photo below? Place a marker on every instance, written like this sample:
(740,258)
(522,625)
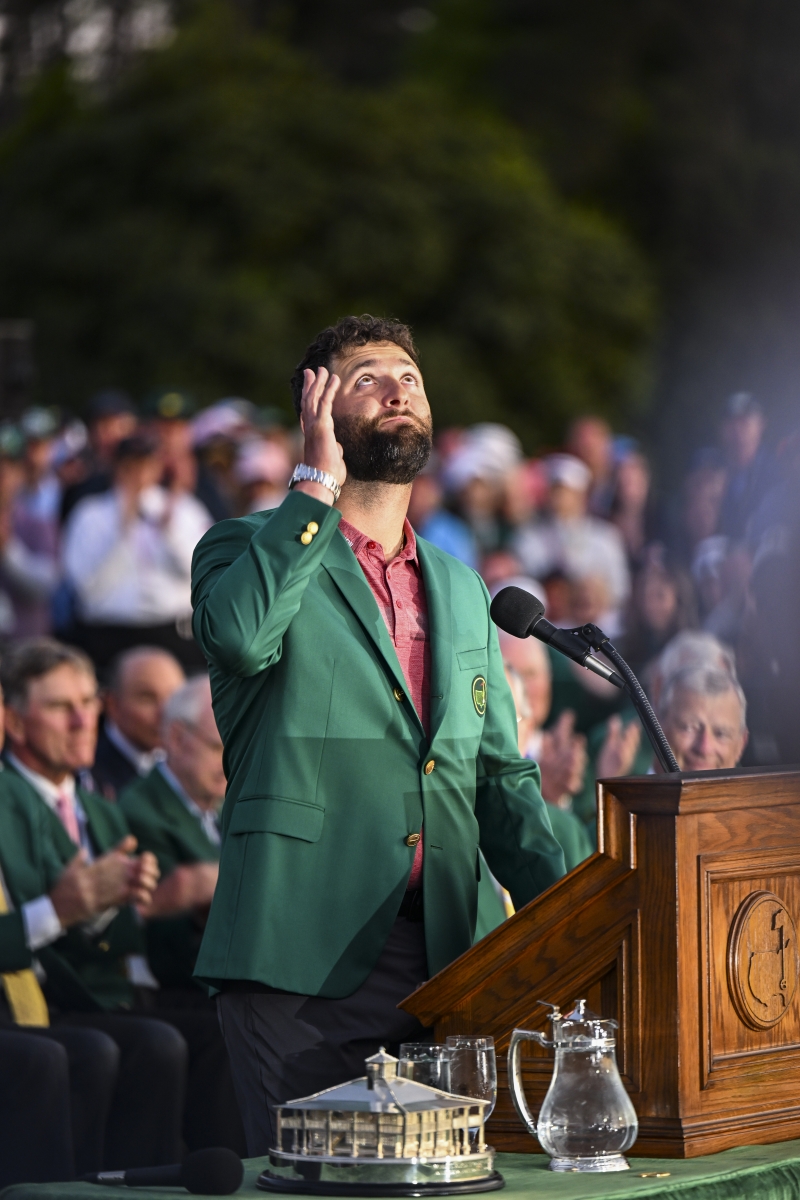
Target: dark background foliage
(579,205)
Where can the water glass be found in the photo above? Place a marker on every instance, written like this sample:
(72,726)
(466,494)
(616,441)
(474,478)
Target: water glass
(425,1062)
(473,1072)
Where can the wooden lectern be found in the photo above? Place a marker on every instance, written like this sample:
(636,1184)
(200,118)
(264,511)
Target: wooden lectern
(683,927)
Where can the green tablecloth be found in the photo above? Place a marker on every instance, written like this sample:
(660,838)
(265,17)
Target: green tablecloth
(765,1172)
(762,1172)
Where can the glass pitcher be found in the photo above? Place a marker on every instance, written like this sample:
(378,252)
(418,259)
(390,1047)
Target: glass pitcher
(587,1120)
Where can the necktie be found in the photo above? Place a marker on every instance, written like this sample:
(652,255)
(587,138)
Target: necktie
(66,812)
(25,997)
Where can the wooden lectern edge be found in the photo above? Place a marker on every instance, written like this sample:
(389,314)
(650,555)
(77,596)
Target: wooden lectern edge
(654,928)
(667,795)
(588,881)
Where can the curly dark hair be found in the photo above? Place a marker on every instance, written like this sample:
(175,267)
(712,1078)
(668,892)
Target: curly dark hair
(346,333)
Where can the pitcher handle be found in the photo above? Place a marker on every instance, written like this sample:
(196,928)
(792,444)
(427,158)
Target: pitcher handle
(515,1076)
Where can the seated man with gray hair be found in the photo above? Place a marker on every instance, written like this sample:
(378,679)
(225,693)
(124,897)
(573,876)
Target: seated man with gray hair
(173,812)
(703,712)
(129,742)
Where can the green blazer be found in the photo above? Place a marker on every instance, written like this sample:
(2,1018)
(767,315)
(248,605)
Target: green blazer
(329,767)
(163,824)
(85,972)
(572,835)
(29,860)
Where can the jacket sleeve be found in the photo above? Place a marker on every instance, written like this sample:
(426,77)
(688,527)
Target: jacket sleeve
(515,834)
(15,954)
(247,587)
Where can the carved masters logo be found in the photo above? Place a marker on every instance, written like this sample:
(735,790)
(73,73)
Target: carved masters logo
(479,695)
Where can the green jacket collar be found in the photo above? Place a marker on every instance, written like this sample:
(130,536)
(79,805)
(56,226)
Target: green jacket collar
(104,820)
(343,568)
(174,813)
(440,620)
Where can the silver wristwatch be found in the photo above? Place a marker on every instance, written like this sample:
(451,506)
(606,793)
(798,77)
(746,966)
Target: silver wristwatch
(305,474)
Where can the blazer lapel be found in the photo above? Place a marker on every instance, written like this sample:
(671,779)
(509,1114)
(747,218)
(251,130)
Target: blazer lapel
(342,566)
(440,627)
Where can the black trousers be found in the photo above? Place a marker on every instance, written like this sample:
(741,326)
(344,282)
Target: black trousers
(211,1113)
(283,1046)
(174,1089)
(55,1093)
(145,1118)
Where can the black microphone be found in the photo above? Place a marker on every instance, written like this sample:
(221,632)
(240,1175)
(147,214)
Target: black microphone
(522,615)
(214,1171)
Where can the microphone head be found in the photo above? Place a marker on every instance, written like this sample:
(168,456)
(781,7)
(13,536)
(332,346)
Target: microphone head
(515,610)
(214,1171)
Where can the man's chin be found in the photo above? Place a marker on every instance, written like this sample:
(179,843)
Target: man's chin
(702,764)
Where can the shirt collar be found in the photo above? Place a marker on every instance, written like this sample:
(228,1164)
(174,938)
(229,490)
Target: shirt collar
(363,546)
(206,816)
(49,792)
(142,760)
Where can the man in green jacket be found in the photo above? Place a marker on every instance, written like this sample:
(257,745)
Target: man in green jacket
(174,813)
(174,1078)
(370,740)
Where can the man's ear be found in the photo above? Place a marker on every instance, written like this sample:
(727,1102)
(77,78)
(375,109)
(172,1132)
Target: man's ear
(745,740)
(14,725)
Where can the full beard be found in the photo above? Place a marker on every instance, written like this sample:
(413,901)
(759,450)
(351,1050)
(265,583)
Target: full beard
(394,456)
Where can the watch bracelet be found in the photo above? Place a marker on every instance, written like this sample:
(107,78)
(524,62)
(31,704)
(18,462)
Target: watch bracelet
(315,475)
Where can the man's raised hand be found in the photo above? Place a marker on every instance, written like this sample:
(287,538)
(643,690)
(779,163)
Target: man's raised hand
(116,878)
(73,895)
(143,882)
(321,449)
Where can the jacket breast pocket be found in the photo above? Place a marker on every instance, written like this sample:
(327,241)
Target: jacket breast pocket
(276,814)
(472,660)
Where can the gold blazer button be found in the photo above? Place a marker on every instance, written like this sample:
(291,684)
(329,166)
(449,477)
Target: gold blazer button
(312,527)
(306,538)
(398,694)
(429,766)
(413,839)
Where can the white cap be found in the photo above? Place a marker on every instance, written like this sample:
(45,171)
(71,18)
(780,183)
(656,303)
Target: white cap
(487,451)
(219,420)
(569,471)
(262,462)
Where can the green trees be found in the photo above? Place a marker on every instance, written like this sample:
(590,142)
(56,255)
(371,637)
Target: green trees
(198,226)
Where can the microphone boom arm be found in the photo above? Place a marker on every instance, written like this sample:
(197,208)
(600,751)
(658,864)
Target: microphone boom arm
(594,639)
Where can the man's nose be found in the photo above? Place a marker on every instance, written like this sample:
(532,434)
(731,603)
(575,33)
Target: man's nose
(703,742)
(396,394)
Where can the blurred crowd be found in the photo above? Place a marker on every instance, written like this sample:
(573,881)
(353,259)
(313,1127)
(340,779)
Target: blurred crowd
(107,699)
(98,520)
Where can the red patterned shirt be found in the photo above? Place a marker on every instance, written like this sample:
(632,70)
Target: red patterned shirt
(400,594)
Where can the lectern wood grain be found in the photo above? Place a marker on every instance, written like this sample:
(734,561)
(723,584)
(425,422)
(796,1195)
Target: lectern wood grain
(683,927)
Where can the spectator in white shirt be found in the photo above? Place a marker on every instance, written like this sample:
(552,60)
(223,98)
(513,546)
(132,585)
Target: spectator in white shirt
(569,540)
(128,554)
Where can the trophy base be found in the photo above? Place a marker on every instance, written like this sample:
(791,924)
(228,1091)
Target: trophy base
(327,1176)
(599,1162)
(267,1182)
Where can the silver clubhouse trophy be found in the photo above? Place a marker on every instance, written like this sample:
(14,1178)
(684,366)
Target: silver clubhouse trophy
(381,1136)
(587,1120)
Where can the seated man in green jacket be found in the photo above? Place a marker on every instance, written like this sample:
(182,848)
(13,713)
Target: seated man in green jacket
(370,740)
(174,1069)
(56,1083)
(174,813)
